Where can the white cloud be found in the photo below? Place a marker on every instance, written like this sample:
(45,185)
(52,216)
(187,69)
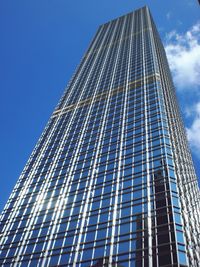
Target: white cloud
(193,132)
(183,52)
(168,15)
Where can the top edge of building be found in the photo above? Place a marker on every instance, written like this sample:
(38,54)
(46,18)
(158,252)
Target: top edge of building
(117,18)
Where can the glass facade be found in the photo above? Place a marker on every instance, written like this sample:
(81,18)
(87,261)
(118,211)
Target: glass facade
(111,180)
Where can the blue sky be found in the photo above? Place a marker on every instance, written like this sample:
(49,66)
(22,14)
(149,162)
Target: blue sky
(42,42)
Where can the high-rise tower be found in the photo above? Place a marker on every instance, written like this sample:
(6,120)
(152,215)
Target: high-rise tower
(111,180)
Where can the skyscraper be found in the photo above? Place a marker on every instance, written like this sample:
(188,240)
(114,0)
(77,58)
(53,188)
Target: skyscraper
(111,180)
